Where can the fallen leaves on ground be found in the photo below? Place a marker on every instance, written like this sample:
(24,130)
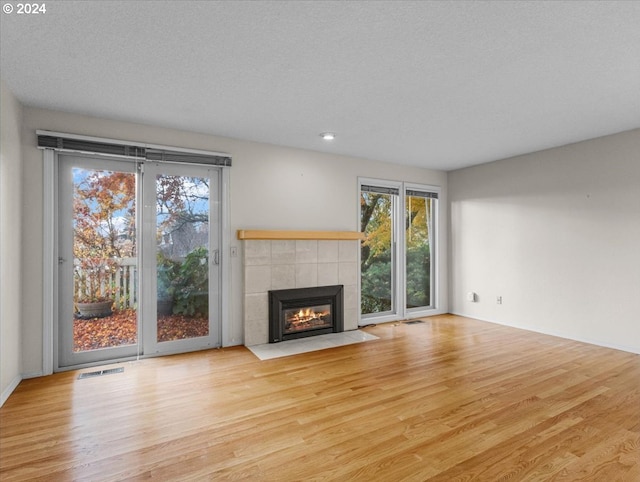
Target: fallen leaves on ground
(178,327)
(120,329)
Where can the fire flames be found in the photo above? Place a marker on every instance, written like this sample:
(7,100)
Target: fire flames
(308,315)
(307,318)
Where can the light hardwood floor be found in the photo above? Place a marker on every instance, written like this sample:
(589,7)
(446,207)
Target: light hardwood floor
(448,399)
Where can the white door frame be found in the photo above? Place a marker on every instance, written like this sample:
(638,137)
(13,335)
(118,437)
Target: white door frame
(50,248)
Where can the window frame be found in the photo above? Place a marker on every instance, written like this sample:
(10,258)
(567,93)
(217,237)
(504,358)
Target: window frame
(399,310)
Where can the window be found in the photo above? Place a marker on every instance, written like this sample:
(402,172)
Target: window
(418,248)
(397,256)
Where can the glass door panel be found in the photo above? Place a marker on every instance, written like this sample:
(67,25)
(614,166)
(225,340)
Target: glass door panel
(182,253)
(98,316)
(418,220)
(376,253)
(182,258)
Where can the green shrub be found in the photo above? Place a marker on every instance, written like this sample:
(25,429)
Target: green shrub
(168,270)
(191,285)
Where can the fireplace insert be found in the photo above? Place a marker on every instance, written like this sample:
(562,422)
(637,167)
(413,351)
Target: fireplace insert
(302,312)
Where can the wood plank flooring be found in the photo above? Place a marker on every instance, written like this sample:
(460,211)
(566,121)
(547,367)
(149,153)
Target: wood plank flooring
(450,399)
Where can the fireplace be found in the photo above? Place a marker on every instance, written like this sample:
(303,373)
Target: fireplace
(302,312)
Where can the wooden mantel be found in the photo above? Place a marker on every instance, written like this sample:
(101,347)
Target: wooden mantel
(323,235)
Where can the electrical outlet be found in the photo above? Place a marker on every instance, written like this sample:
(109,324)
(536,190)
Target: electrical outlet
(499,300)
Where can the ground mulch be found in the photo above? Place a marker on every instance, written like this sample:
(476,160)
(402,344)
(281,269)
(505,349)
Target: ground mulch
(120,329)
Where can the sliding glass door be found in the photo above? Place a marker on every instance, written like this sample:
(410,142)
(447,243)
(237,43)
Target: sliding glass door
(138,259)
(378,259)
(97,260)
(396,258)
(181,258)
(418,248)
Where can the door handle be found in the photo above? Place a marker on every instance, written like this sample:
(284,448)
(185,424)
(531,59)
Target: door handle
(216,256)
(61,260)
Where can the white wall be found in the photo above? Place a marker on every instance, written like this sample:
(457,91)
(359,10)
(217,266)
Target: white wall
(557,235)
(10,242)
(271,188)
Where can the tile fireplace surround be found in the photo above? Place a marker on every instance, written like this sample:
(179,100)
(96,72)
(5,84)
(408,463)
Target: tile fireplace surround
(275,264)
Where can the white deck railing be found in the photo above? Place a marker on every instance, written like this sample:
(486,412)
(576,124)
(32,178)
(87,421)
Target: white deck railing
(124,282)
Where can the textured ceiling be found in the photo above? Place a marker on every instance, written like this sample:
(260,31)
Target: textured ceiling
(435,84)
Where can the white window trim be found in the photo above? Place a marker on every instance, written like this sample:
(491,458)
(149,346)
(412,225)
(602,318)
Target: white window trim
(49,260)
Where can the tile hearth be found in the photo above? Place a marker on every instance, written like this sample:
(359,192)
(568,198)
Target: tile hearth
(269,351)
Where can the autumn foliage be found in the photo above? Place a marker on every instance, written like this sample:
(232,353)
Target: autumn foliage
(104,234)
(103,228)
(376,255)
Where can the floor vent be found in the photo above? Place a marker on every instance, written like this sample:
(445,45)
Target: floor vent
(413,322)
(99,373)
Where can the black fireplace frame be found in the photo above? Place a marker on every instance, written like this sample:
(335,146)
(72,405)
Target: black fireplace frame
(280,300)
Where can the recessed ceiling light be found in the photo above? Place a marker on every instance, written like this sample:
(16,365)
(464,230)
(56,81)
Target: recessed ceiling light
(328,136)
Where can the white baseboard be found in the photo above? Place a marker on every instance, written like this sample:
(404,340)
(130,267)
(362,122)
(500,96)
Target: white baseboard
(33,375)
(9,390)
(559,335)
